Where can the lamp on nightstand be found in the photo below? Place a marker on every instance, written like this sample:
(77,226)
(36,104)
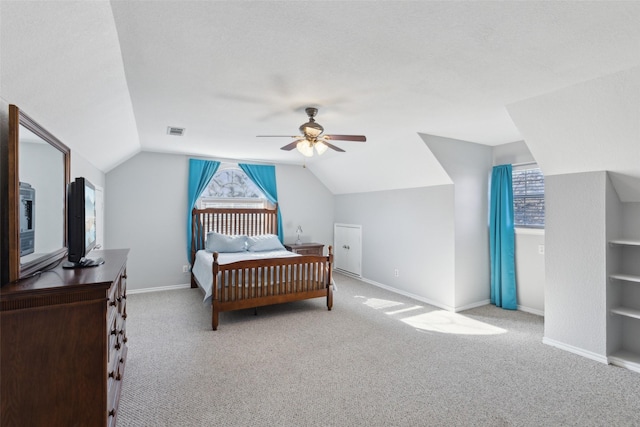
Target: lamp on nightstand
(299,232)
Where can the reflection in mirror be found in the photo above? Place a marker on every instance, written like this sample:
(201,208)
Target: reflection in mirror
(38,167)
(41,175)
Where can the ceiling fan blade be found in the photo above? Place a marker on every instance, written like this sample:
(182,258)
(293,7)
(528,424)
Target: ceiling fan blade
(291,146)
(333,147)
(276,136)
(357,138)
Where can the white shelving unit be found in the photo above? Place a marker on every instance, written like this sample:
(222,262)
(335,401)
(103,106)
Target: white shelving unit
(625,311)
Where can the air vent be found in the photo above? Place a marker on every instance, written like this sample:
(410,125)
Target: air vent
(175,131)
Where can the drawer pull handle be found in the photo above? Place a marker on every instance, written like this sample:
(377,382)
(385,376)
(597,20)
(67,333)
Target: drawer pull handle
(112,413)
(113,332)
(111,374)
(112,303)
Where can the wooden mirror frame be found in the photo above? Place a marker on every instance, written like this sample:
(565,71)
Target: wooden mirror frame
(16,269)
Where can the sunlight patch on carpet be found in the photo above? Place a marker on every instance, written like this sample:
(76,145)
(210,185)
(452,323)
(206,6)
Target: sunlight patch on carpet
(451,323)
(379,303)
(441,321)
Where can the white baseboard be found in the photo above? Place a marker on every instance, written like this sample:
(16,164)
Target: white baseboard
(531,310)
(423,299)
(157,289)
(347,273)
(575,350)
(444,306)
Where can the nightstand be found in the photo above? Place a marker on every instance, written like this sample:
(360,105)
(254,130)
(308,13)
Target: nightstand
(305,248)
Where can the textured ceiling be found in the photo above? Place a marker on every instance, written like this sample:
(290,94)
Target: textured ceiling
(108,78)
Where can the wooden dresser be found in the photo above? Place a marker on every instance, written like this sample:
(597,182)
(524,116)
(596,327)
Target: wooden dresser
(305,248)
(64,345)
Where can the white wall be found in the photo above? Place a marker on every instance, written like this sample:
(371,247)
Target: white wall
(530,270)
(575,279)
(146,210)
(82,167)
(411,230)
(468,165)
(631,221)
(304,201)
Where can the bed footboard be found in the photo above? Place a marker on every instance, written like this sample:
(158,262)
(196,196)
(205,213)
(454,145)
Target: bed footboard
(255,283)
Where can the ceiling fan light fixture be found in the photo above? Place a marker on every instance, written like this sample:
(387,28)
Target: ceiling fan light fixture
(312,136)
(320,147)
(305,148)
(311,129)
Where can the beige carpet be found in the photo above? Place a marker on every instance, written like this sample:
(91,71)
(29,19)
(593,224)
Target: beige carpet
(376,359)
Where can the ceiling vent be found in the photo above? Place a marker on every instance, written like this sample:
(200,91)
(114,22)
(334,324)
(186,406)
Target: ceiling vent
(175,131)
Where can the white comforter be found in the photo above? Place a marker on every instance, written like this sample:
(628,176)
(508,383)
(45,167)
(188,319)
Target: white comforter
(202,268)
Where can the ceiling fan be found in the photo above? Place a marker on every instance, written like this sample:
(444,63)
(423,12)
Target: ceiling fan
(312,137)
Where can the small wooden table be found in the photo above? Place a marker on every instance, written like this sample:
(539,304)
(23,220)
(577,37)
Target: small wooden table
(305,248)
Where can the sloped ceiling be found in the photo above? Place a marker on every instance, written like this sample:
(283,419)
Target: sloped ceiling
(108,78)
(590,126)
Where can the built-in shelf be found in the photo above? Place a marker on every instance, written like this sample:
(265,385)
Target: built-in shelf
(625,359)
(626,277)
(628,312)
(625,242)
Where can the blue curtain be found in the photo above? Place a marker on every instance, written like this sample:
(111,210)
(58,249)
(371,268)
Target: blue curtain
(502,239)
(200,173)
(264,176)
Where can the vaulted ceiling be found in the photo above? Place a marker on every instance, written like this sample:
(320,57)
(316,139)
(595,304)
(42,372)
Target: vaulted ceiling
(108,78)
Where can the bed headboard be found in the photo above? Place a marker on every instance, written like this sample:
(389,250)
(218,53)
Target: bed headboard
(251,222)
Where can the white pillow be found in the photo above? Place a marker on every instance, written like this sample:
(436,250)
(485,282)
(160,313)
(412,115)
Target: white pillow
(264,242)
(217,242)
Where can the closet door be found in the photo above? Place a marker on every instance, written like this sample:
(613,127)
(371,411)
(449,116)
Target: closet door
(348,248)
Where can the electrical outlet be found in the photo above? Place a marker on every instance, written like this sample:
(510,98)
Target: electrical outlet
(396,272)
(541,249)
(186,268)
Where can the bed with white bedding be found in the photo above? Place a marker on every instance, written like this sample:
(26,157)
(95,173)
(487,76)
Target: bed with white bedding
(238,262)
(203,266)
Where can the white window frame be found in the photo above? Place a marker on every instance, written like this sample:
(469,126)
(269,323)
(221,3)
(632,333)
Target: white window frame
(233,202)
(532,195)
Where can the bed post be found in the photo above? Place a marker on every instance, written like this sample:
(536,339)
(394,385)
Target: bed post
(214,295)
(194,236)
(330,280)
(214,316)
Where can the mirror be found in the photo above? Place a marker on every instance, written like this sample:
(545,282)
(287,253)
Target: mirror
(37,196)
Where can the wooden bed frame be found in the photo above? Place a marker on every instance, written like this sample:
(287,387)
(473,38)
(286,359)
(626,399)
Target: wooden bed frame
(255,283)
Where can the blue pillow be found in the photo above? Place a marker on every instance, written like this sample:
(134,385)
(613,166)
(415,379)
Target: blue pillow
(264,242)
(217,242)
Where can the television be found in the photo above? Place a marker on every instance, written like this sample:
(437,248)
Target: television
(81,224)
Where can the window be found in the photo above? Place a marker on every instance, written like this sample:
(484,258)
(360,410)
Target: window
(528,198)
(230,187)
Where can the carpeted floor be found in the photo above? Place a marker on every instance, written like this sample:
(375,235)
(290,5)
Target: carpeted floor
(376,359)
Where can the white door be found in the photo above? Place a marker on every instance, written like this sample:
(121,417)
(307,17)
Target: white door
(348,248)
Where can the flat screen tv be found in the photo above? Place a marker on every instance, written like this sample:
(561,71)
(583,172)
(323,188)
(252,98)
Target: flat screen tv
(81,224)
